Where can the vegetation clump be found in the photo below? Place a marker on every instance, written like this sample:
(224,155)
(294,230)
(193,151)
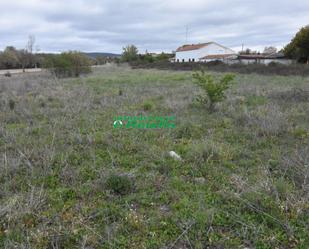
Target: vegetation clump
(68,64)
(267,120)
(298,48)
(243,175)
(119,184)
(8,74)
(130,53)
(215,90)
(11,104)
(147,106)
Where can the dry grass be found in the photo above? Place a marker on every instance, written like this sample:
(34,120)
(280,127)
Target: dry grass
(267,120)
(69,180)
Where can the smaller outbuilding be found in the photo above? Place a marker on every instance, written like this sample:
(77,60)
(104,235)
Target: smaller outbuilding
(263,59)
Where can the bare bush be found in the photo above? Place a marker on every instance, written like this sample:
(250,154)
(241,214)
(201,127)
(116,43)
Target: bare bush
(18,205)
(288,188)
(267,189)
(296,168)
(295,94)
(209,151)
(267,120)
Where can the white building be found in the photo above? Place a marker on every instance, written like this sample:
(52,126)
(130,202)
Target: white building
(204,52)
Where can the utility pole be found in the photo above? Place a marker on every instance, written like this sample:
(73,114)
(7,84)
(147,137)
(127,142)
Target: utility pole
(242,47)
(187,32)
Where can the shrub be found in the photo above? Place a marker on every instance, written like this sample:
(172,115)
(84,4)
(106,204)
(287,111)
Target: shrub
(267,120)
(296,168)
(296,94)
(146,58)
(11,104)
(188,130)
(205,152)
(273,64)
(215,90)
(7,74)
(119,184)
(68,64)
(147,106)
(210,151)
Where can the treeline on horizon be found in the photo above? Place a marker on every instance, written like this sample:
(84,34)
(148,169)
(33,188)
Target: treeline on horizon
(70,63)
(74,63)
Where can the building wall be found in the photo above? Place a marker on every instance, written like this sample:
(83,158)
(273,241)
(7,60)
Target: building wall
(225,60)
(281,61)
(195,55)
(265,61)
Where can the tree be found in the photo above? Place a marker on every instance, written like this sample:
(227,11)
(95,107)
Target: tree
(30,44)
(130,53)
(247,51)
(298,48)
(79,61)
(28,53)
(68,64)
(270,50)
(9,58)
(24,58)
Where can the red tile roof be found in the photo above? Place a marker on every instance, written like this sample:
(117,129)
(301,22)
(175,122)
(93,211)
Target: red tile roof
(192,47)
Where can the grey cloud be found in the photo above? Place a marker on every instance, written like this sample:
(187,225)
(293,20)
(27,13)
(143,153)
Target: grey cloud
(155,25)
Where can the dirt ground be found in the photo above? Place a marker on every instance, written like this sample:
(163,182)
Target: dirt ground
(17,71)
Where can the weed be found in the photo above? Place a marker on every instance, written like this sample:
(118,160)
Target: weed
(8,74)
(119,184)
(267,120)
(296,94)
(11,104)
(147,106)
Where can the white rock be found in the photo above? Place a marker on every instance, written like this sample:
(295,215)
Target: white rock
(174,155)
(200,180)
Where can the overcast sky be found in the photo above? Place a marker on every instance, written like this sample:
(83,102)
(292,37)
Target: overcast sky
(155,25)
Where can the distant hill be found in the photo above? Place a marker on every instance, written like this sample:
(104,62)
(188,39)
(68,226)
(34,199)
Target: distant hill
(97,54)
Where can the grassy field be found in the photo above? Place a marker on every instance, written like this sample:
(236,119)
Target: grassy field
(70,180)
